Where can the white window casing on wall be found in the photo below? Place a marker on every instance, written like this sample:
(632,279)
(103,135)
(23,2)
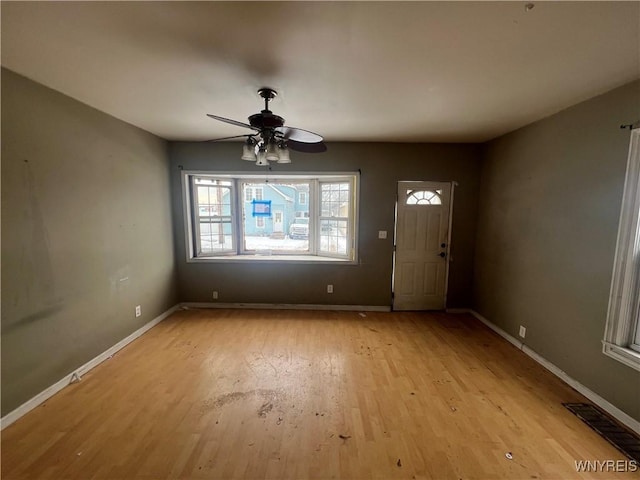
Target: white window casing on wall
(622,331)
(213,214)
(293,217)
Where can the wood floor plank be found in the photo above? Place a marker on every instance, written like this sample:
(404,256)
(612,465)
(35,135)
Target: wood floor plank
(308,394)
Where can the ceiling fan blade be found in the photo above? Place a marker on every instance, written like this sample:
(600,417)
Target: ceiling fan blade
(232,122)
(228,138)
(305,147)
(299,135)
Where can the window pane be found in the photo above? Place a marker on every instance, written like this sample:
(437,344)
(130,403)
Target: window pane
(215,235)
(213,216)
(334,218)
(334,236)
(286,229)
(335,199)
(423,197)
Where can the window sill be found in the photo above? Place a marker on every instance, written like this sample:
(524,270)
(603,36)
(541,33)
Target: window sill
(625,355)
(297,259)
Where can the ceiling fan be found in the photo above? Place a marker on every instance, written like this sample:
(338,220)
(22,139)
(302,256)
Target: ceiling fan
(271,139)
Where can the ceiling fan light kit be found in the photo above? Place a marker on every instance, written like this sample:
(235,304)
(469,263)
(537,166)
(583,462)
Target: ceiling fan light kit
(272,139)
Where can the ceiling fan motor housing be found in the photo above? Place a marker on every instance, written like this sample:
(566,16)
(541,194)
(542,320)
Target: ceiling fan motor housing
(266,119)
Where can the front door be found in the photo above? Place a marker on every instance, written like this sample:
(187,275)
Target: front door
(422,236)
(277,222)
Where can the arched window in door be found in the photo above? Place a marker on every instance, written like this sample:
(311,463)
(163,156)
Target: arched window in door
(424,197)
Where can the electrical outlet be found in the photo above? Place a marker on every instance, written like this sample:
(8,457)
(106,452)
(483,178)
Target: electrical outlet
(523,331)
(382,234)
(138,311)
(215,295)
(329,288)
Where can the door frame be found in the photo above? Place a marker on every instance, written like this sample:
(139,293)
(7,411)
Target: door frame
(454,184)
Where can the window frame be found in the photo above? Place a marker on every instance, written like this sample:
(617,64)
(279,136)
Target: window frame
(313,200)
(319,217)
(195,214)
(622,329)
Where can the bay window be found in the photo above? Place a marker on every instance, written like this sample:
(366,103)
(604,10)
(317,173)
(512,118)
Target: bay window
(292,217)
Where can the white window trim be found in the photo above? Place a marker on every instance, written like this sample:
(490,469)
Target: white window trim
(191,254)
(192,229)
(624,300)
(319,218)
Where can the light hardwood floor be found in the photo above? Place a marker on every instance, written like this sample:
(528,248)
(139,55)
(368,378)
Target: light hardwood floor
(305,394)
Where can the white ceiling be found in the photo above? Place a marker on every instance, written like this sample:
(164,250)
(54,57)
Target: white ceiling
(352,71)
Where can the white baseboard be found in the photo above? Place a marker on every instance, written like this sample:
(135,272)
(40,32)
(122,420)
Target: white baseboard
(514,341)
(287,306)
(47,393)
(605,405)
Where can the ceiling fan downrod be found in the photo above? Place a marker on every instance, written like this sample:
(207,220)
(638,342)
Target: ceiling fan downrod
(268,94)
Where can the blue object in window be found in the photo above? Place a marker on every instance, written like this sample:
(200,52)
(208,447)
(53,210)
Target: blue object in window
(261,208)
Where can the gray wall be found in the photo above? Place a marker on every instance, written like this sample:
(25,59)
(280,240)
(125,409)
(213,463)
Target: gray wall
(85,204)
(369,283)
(87,233)
(550,201)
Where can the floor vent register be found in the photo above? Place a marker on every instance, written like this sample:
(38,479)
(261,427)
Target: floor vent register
(621,438)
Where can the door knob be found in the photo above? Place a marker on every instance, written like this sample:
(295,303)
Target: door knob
(442,254)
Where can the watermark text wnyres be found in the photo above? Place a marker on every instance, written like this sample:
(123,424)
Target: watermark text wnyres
(607,466)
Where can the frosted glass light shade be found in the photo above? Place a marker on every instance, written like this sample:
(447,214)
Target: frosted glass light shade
(249,153)
(262,157)
(283,154)
(272,152)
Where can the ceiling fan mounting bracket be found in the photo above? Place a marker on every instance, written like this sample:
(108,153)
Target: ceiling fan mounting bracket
(267,93)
